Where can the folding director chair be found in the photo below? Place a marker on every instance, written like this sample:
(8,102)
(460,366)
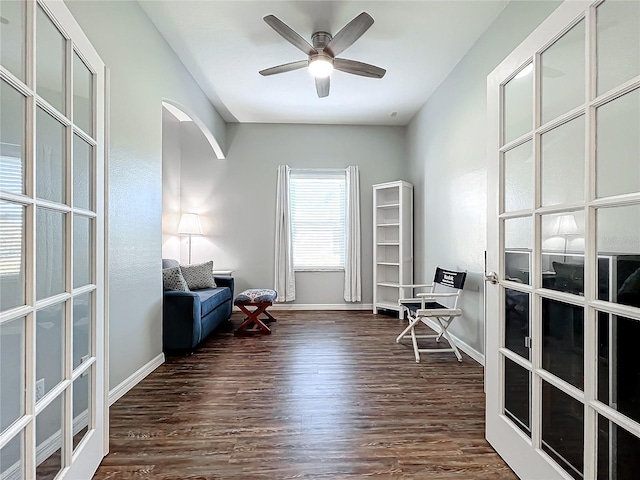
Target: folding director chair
(447,284)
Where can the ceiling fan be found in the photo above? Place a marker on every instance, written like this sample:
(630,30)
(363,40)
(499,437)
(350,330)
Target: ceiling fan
(322,54)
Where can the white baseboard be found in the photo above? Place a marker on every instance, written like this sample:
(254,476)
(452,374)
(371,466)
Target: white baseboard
(135,378)
(472,352)
(318,306)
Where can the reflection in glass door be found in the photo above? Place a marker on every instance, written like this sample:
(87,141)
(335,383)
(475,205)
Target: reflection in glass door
(52,390)
(563,382)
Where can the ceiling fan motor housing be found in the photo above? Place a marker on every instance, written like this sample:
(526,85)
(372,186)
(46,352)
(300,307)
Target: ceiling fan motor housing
(320,40)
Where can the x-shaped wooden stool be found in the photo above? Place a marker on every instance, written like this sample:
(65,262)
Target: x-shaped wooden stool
(253,318)
(261,299)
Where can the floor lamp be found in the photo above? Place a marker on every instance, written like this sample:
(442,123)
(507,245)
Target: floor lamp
(190,225)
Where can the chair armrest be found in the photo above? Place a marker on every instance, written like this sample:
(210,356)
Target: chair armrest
(409,300)
(437,294)
(417,285)
(225,281)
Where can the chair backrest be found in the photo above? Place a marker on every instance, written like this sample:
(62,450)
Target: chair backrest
(452,279)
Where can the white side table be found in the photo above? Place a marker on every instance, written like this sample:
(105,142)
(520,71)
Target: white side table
(223,273)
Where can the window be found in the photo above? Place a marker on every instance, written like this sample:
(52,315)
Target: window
(318,219)
(11,215)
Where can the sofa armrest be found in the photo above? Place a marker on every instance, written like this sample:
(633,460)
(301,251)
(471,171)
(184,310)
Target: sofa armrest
(181,320)
(224,281)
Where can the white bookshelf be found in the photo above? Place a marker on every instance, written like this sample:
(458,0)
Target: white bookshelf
(392,243)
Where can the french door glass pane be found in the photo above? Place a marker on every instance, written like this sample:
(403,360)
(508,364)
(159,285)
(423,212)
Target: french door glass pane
(563,429)
(618,47)
(563,82)
(12,37)
(81,407)
(619,241)
(563,341)
(518,178)
(618,449)
(563,252)
(12,365)
(50,346)
(50,253)
(618,369)
(12,259)
(517,404)
(81,251)
(82,173)
(50,438)
(82,98)
(618,152)
(50,62)
(517,322)
(563,163)
(518,104)
(12,138)
(82,309)
(12,458)
(50,157)
(518,242)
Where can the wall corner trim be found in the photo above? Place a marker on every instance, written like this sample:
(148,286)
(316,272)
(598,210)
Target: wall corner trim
(135,378)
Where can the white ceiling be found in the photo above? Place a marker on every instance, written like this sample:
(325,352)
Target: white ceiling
(225,43)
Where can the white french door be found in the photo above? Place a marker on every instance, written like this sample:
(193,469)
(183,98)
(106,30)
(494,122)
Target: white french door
(52,351)
(563,309)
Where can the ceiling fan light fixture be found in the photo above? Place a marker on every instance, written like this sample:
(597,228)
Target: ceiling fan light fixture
(320,67)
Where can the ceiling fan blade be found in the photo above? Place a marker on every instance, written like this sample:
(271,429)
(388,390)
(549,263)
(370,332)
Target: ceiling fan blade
(351,32)
(287,67)
(358,68)
(322,86)
(289,34)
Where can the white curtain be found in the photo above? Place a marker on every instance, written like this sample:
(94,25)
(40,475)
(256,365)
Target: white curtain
(353,260)
(285,281)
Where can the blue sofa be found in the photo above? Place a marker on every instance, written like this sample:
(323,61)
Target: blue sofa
(189,317)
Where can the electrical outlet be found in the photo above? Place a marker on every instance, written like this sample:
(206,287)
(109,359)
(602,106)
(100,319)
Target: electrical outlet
(39,389)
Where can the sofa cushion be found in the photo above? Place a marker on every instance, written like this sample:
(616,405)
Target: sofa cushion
(172,279)
(210,298)
(199,275)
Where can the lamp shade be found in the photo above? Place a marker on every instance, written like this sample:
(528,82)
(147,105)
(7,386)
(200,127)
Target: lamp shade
(566,225)
(190,224)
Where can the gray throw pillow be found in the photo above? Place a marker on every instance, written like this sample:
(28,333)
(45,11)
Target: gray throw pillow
(172,279)
(199,275)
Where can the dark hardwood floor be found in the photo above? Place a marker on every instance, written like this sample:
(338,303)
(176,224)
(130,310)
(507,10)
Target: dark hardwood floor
(329,395)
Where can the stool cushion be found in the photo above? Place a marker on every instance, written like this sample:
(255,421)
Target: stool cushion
(256,295)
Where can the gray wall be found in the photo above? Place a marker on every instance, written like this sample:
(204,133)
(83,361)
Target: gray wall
(144,71)
(236,197)
(447,164)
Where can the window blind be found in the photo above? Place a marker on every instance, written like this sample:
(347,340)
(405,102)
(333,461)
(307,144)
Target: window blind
(318,219)
(11,217)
